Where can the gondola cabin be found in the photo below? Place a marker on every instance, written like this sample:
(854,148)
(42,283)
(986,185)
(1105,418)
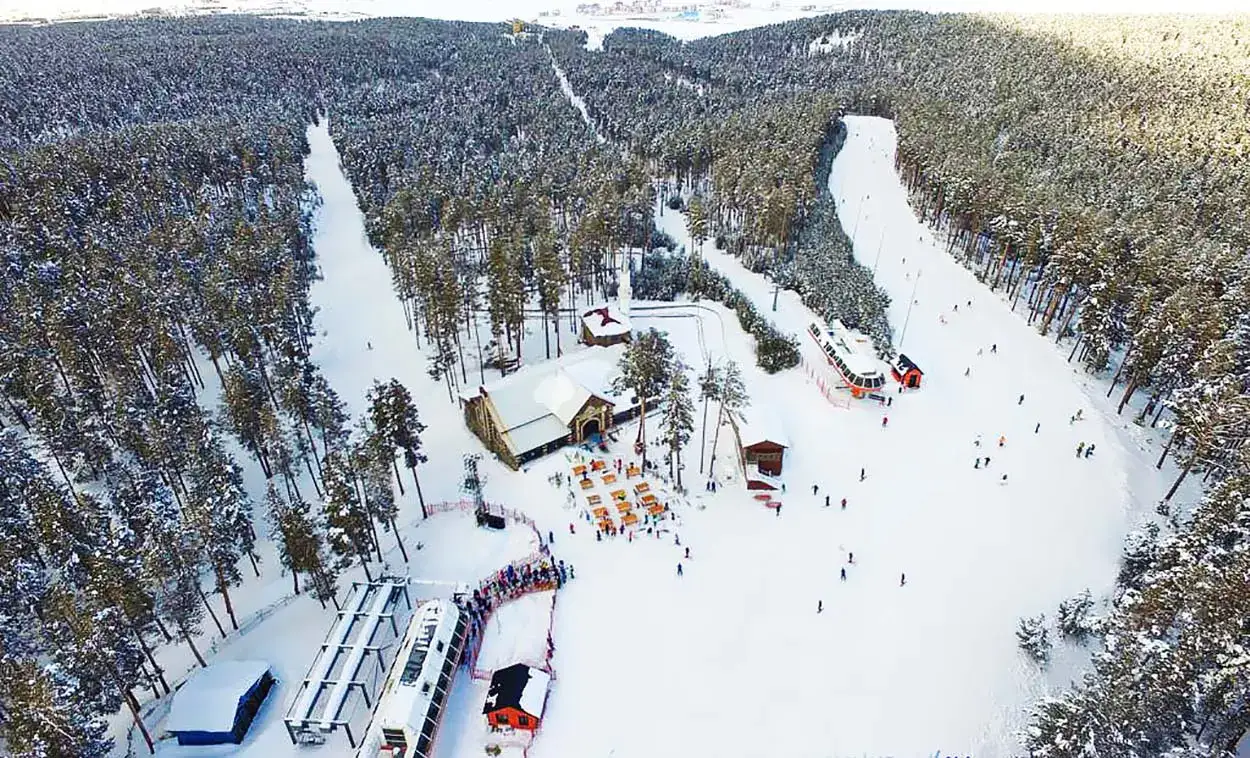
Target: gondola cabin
(906,372)
(852,355)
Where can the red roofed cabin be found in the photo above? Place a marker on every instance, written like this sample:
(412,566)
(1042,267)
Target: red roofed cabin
(605,326)
(516,697)
(906,373)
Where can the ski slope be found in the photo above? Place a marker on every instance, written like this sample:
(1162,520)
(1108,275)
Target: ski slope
(649,664)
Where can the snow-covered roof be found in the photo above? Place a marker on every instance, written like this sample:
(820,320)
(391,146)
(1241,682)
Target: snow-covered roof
(856,349)
(759,426)
(535,692)
(606,321)
(209,701)
(536,404)
(518,686)
(411,686)
(561,395)
(536,433)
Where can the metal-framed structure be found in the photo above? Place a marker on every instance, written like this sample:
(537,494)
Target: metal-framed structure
(366,627)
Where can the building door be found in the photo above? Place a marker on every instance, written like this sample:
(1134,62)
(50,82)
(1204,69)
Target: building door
(589,427)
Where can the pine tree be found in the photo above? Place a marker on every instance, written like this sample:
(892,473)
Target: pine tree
(733,398)
(697,222)
(348,531)
(645,370)
(44,716)
(678,422)
(218,512)
(1074,619)
(709,389)
(1034,638)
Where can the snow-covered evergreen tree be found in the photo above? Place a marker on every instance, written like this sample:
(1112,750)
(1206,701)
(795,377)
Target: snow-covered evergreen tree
(1034,638)
(678,423)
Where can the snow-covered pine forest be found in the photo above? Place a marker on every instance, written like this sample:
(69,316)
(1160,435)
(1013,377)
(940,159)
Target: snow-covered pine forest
(156,228)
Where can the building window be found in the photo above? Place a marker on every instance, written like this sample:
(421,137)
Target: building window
(523,720)
(501,718)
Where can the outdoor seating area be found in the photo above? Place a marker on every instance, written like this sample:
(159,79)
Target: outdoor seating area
(636,506)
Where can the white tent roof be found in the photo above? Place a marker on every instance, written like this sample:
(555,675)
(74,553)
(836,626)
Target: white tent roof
(208,702)
(561,395)
(535,692)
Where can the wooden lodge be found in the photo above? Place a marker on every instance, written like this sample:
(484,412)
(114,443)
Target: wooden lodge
(605,326)
(548,405)
(761,451)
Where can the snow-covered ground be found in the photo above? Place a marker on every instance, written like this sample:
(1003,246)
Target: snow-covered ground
(884,669)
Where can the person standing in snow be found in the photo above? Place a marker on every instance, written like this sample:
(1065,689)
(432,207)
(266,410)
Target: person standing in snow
(994,348)
(987,461)
(977,464)
(1003,480)
(826,501)
(778,509)
(1020,401)
(1002,440)
(902,579)
(1089,451)
(815,488)
(843,503)
(1037,427)
(977,441)
(967,371)
(679,570)
(844,574)
(862,473)
(1080,448)
(551,536)
(850,558)
(885,421)
(820,606)
(687,553)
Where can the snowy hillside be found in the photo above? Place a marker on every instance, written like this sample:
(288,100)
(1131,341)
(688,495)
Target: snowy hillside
(882,668)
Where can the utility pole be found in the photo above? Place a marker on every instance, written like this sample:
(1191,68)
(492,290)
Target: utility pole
(880,242)
(910,303)
(776,289)
(858,214)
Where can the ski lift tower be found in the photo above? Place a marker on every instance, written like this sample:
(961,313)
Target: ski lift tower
(487,515)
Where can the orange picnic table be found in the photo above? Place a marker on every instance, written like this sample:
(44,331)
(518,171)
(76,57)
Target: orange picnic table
(597,465)
(655,509)
(642,487)
(648,499)
(587,484)
(624,506)
(594,499)
(579,469)
(629,519)
(601,513)
(609,478)
(606,525)
(619,495)
(632,471)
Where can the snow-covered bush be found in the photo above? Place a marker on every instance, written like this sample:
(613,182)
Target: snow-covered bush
(1074,619)
(1034,638)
